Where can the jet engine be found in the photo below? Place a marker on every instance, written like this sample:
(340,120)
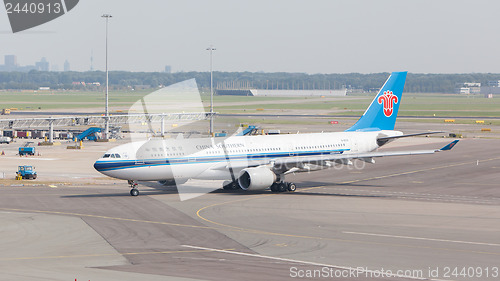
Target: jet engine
(256,178)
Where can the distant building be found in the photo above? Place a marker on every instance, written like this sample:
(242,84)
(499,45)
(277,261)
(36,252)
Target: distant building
(168,69)
(11,61)
(12,65)
(42,65)
(492,88)
(472,85)
(66,66)
(298,93)
(468,88)
(494,83)
(281,93)
(246,88)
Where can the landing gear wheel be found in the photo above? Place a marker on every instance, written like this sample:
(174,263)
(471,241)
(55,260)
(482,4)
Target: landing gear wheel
(282,187)
(134,192)
(274,187)
(291,187)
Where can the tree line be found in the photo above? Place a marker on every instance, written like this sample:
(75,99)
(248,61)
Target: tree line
(417,83)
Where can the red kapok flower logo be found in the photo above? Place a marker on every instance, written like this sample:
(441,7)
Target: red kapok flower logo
(388,100)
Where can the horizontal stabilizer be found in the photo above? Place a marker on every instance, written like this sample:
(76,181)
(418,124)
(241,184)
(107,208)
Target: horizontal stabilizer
(383,140)
(449,146)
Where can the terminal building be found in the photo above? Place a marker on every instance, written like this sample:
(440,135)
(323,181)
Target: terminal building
(242,88)
(467,88)
(493,88)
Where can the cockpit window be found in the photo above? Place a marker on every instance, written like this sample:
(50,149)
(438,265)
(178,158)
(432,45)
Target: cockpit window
(113,155)
(107,155)
(117,155)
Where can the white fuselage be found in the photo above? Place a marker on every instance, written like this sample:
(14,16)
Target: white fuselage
(211,158)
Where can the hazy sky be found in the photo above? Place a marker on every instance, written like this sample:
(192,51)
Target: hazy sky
(312,36)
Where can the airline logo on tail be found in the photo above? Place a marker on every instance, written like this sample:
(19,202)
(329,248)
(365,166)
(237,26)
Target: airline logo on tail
(388,100)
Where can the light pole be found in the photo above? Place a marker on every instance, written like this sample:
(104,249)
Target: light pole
(211,49)
(106,126)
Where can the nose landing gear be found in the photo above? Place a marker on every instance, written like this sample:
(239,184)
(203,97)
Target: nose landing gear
(133,185)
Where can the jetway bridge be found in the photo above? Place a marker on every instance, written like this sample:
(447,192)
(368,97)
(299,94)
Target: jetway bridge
(66,121)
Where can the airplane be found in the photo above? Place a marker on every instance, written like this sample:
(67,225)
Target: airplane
(261,162)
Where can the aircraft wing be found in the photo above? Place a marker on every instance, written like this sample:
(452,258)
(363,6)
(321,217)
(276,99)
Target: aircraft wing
(320,160)
(366,156)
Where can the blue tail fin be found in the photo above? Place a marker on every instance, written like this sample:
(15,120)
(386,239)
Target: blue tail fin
(382,112)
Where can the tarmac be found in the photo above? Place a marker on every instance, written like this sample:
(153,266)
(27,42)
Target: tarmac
(428,217)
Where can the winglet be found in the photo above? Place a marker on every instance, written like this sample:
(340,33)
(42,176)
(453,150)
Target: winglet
(448,146)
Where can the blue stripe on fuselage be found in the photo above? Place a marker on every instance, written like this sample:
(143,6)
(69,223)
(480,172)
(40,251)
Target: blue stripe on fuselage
(126,164)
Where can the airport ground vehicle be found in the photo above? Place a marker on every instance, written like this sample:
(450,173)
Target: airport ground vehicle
(91,134)
(26,172)
(6,140)
(27,148)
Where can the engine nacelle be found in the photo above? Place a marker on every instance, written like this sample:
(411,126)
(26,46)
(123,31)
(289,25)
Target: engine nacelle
(256,178)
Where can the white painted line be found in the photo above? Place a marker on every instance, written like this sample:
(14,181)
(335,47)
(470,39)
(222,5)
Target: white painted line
(422,238)
(363,270)
(64,6)
(31,158)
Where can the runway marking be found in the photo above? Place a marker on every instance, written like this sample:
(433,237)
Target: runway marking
(474,183)
(234,228)
(228,202)
(419,196)
(249,230)
(240,200)
(360,270)
(239,229)
(418,171)
(103,255)
(105,217)
(422,238)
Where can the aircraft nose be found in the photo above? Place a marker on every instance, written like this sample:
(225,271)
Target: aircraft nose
(99,166)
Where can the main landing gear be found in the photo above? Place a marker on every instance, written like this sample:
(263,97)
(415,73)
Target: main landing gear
(283,187)
(134,191)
